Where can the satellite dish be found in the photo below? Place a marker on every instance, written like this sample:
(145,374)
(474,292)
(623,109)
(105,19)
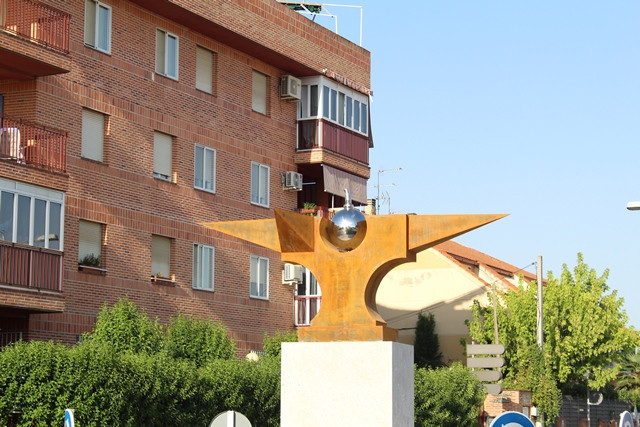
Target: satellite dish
(230,419)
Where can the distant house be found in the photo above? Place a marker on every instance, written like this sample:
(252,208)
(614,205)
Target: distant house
(444,280)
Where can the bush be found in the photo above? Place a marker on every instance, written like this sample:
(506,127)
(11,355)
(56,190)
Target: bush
(126,328)
(447,397)
(272,344)
(198,340)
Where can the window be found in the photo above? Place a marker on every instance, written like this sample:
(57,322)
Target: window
(89,241)
(166,54)
(204,169)
(162,147)
(31,215)
(259,184)
(160,256)
(92,135)
(204,69)
(97,25)
(259,92)
(203,267)
(259,277)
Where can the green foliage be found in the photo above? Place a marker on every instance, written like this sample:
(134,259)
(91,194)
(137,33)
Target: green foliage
(584,328)
(447,397)
(126,328)
(91,260)
(426,349)
(198,340)
(272,344)
(628,382)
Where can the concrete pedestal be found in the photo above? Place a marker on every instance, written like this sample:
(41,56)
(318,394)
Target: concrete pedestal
(347,384)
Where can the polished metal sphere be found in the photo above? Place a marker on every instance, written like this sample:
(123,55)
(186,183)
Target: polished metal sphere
(347,222)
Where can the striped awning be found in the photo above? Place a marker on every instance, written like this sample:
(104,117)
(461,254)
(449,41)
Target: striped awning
(336,180)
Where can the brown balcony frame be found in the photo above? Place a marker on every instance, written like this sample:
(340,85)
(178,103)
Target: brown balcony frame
(30,267)
(314,133)
(36,22)
(32,144)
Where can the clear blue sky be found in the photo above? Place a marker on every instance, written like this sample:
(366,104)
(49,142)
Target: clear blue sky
(530,108)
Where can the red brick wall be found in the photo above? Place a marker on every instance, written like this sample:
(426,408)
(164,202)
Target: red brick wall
(121,192)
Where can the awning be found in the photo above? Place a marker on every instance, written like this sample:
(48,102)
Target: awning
(335,181)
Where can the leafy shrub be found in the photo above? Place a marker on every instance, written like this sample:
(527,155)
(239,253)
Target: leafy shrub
(447,397)
(127,328)
(272,344)
(198,340)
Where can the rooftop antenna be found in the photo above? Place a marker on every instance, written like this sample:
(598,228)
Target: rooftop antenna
(315,9)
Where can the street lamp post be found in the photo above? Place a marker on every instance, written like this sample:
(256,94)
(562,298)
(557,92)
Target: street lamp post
(378,196)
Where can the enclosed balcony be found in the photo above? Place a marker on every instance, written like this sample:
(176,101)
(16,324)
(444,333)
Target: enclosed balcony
(34,40)
(27,143)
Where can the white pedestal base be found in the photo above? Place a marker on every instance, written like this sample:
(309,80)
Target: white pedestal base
(347,384)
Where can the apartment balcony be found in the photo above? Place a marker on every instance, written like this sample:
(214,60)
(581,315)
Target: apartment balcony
(306,307)
(31,144)
(34,40)
(320,141)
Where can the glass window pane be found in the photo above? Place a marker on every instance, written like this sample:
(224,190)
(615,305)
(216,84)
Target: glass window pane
(24,217)
(6,216)
(259,93)
(104,27)
(356,115)
(341,108)
(264,185)
(253,272)
(349,112)
(39,223)
(314,101)
(197,167)
(255,177)
(303,105)
(172,56)
(334,103)
(160,42)
(209,169)
(365,118)
(55,224)
(325,102)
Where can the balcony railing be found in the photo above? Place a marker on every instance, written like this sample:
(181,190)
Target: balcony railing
(36,22)
(28,143)
(306,308)
(7,338)
(30,267)
(322,134)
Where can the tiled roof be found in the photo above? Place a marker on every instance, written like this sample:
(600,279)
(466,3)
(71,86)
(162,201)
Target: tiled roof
(457,251)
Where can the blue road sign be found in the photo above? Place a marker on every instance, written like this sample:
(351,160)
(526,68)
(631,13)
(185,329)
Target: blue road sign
(626,420)
(68,418)
(512,419)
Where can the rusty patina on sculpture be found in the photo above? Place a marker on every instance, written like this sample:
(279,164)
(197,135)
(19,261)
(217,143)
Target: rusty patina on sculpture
(350,274)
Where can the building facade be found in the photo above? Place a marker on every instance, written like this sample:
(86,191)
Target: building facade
(126,124)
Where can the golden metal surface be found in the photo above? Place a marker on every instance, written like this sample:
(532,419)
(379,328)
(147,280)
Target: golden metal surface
(350,279)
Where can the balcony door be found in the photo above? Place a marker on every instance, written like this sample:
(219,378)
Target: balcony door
(308,299)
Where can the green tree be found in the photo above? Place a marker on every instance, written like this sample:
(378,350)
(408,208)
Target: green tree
(198,340)
(628,382)
(447,397)
(272,344)
(426,348)
(584,327)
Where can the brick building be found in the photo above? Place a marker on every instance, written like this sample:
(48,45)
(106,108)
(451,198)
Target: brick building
(125,124)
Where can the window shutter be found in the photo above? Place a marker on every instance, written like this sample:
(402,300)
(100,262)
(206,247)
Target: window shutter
(90,241)
(162,154)
(160,255)
(92,135)
(259,92)
(90,22)
(160,35)
(204,70)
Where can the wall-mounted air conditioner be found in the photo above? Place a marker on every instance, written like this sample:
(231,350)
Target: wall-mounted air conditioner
(292,273)
(289,87)
(292,181)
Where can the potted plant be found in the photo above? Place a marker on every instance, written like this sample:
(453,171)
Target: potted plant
(308,208)
(91,263)
(159,277)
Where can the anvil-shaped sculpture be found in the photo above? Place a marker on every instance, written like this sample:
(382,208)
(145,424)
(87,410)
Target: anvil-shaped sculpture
(349,272)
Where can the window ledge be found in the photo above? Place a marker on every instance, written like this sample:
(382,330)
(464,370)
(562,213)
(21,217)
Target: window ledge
(92,270)
(164,280)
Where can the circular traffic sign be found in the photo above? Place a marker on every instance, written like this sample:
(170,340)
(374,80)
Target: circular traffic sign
(512,419)
(626,420)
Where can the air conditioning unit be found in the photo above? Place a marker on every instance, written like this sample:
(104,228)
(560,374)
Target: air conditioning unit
(289,87)
(292,181)
(292,273)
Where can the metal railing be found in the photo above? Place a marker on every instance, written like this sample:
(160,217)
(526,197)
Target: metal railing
(306,308)
(36,22)
(30,267)
(315,133)
(32,144)
(7,338)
